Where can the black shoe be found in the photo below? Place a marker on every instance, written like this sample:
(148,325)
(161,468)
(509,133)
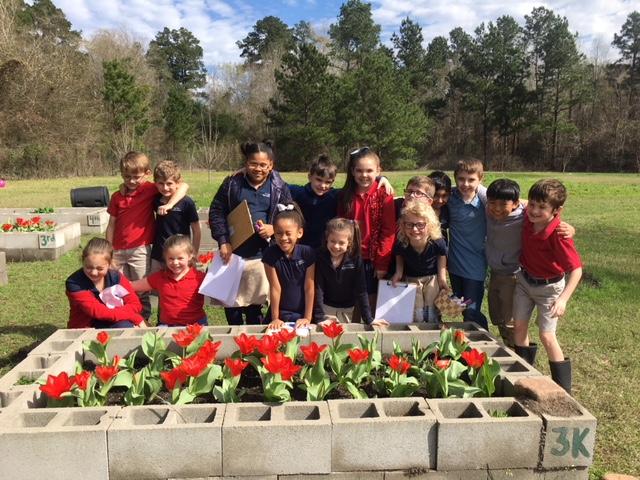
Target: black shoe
(561,373)
(528,353)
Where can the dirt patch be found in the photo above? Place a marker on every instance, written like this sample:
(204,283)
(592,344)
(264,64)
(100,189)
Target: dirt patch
(558,407)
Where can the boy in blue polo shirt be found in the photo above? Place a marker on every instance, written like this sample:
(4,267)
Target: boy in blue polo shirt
(467,233)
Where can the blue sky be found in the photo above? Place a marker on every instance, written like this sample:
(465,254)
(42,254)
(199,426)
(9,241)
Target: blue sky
(220,23)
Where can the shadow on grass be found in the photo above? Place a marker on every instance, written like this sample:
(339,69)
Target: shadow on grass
(40,331)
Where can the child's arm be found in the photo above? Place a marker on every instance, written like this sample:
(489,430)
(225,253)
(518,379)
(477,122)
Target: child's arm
(111,227)
(274,296)
(442,272)
(560,305)
(383,182)
(181,192)
(196,236)
(141,285)
(566,230)
(218,211)
(387,237)
(318,298)
(399,270)
(309,289)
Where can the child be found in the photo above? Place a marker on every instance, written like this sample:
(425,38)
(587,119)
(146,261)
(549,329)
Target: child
(421,257)
(441,198)
(84,286)
(373,210)
(131,222)
(418,188)
(263,188)
(546,259)
(177,285)
(467,230)
(340,274)
(290,269)
(181,219)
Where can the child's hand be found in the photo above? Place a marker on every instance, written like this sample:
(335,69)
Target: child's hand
(384,183)
(266,231)
(565,230)
(329,320)
(379,322)
(275,324)
(395,279)
(163,210)
(303,322)
(225,252)
(559,307)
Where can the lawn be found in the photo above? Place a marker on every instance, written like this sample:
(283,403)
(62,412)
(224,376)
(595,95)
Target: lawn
(599,332)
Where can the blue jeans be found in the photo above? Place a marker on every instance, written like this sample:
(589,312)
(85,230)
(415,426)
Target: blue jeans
(253,314)
(470,289)
(202,321)
(120,324)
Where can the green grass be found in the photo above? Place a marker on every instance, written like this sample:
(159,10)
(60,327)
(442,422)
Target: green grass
(600,331)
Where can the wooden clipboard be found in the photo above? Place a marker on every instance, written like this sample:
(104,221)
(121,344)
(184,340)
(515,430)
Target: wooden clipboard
(240,225)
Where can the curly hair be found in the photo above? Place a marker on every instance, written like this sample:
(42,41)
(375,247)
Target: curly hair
(423,211)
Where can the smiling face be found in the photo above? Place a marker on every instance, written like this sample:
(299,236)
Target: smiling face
(440,199)
(258,166)
(167,187)
(467,184)
(96,267)
(132,180)
(415,228)
(365,171)
(501,209)
(287,233)
(319,184)
(338,243)
(541,213)
(177,259)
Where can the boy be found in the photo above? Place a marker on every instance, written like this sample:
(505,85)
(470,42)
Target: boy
(181,219)
(545,260)
(442,184)
(467,232)
(418,188)
(130,229)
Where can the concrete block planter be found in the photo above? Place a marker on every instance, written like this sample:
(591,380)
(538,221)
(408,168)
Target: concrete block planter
(159,442)
(92,220)
(35,367)
(470,438)
(405,334)
(269,439)
(50,245)
(350,335)
(382,434)
(55,443)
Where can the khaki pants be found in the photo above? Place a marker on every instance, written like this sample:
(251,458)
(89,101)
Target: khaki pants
(500,299)
(343,315)
(135,264)
(426,293)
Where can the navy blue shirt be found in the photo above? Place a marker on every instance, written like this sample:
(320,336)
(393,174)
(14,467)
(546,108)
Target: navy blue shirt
(177,221)
(421,264)
(259,201)
(291,272)
(317,211)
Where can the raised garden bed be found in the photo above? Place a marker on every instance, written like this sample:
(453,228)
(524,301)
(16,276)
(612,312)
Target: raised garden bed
(92,220)
(40,245)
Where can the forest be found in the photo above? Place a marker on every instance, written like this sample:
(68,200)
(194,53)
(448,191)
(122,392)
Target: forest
(518,93)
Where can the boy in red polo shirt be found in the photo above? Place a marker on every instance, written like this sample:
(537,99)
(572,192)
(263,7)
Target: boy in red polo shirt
(550,272)
(131,221)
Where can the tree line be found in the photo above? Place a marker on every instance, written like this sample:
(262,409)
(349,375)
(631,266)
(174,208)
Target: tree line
(518,95)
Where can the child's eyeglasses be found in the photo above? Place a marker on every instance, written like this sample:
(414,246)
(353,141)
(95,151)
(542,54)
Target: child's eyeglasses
(259,166)
(359,152)
(417,225)
(417,194)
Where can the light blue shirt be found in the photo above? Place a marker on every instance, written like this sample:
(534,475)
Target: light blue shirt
(467,234)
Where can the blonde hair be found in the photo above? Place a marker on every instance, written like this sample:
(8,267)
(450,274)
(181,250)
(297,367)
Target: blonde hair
(420,210)
(98,246)
(167,170)
(179,241)
(344,225)
(424,182)
(134,162)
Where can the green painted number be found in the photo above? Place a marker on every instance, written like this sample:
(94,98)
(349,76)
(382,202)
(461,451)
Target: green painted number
(575,445)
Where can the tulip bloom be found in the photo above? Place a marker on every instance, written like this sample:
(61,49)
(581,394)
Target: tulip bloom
(442,364)
(278,362)
(285,335)
(398,364)
(268,344)
(56,386)
(173,377)
(333,330)
(459,337)
(208,351)
(185,337)
(311,352)
(81,379)
(106,373)
(358,355)
(7,227)
(103,337)
(474,358)
(246,343)
(235,365)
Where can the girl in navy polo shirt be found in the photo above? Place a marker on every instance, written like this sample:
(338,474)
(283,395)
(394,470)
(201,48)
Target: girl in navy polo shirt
(85,287)
(290,269)
(177,285)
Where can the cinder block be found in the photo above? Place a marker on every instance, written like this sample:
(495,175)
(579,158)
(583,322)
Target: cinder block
(55,443)
(35,367)
(569,440)
(336,476)
(53,346)
(291,438)
(159,442)
(382,434)
(416,474)
(469,438)
(404,334)
(567,474)
(350,335)
(466,326)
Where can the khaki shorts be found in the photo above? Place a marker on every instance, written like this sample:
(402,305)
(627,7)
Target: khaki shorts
(500,298)
(528,296)
(426,292)
(343,315)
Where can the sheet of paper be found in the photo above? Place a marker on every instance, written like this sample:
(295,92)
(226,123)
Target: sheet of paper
(112,296)
(222,281)
(395,304)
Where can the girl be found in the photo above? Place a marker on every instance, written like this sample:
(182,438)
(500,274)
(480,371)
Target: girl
(340,274)
(262,188)
(84,288)
(421,257)
(290,269)
(373,211)
(177,285)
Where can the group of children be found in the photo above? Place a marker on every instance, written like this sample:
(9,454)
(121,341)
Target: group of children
(324,249)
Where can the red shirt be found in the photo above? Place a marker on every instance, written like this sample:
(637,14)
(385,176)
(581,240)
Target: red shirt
(134,217)
(180,302)
(546,254)
(375,213)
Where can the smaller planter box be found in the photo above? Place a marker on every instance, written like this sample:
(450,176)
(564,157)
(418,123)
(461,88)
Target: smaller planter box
(470,438)
(92,220)
(29,246)
(382,434)
(161,442)
(70,443)
(36,367)
(270,439)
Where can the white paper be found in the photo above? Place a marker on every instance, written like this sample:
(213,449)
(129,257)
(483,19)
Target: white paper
(222,281)
(112,296)
(396,305)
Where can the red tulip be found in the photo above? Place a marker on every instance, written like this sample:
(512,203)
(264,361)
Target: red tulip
(358,355)
(474,358)
(56,386)
(274,361)
(173,377)
(7,227)
(81,379)
(398,364)
(312,352)
(192,366)
(103,337)
(50,223)
(208,351)
(442,364)
(205,258)
(185,337)
(459,337)
(333,330)
(289,370)
(235,365)
(35,220)
(106,373)
(246,343)
(285,335)
(268,344)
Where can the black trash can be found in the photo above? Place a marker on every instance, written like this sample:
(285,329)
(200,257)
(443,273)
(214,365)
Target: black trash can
(90,197)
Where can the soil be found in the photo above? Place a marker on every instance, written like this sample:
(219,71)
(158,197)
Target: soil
(559,407)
